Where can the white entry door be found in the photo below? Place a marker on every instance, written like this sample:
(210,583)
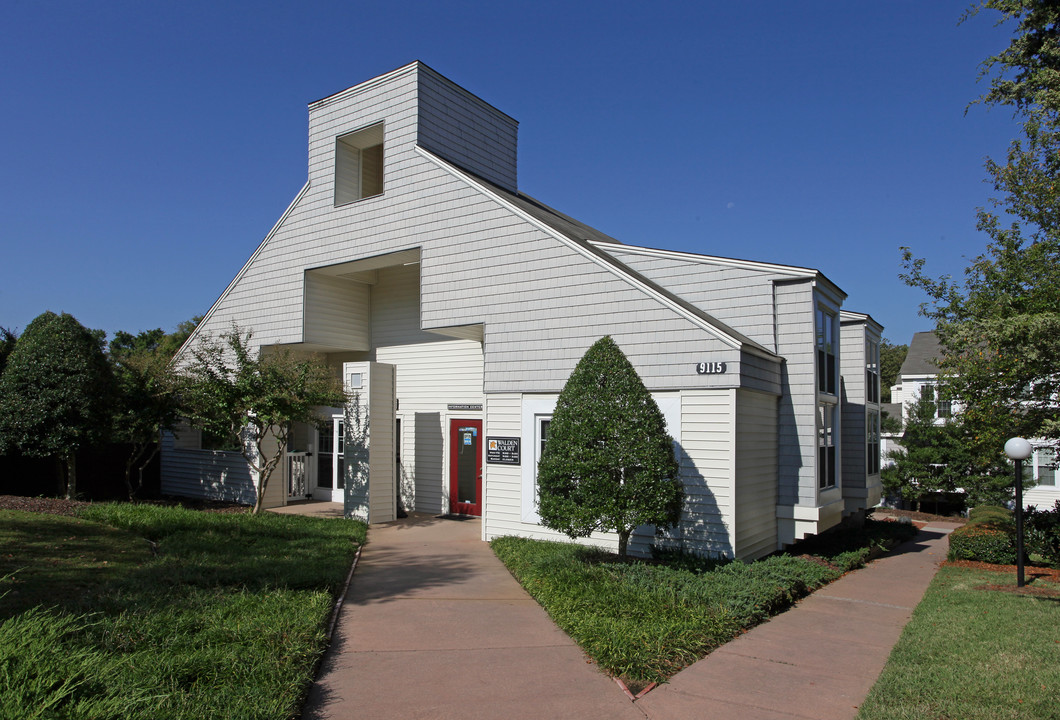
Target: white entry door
(330,464)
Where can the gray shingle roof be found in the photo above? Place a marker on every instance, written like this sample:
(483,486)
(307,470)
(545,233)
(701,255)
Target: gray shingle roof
(924,349)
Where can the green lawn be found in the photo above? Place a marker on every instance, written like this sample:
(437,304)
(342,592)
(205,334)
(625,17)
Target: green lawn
(645,621)
(138,611)
(973,653)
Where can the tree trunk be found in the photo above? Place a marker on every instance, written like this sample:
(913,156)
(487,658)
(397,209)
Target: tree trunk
(623,543)
(71,476)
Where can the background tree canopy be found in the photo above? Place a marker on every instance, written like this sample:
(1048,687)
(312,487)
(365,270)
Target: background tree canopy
(55,392)
(1000,326)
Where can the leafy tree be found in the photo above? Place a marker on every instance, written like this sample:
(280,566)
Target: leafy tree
(891,359)
(608,463)
(148,398)
(920,463)
(55,393)
(255,397)
(7,344)
(1000,327)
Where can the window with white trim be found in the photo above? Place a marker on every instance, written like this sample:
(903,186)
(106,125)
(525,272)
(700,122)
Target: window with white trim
(826,445)
(536,416)
(359,165)
(872,371)
(1045,466)
(938,396)
(872,442)
(826,351)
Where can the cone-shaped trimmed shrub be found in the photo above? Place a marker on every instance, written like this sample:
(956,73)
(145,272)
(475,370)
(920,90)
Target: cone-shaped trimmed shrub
(608,462)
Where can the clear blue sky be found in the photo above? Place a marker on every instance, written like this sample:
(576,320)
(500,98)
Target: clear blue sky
(146,148)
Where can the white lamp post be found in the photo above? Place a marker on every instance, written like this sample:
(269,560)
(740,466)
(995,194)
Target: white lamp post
(1019,450)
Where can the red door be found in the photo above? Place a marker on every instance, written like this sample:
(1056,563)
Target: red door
(465,467)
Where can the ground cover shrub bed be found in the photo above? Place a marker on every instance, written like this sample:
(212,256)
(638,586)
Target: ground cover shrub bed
(139,611)
(645,620)
(974,649)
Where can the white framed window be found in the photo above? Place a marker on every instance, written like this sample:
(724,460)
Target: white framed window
(872,371)
(1045,466)
(943,405)
(359,165)
(827,370)
(872,442)
(826,445)
(537,414)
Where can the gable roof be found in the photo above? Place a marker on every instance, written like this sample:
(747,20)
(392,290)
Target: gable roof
(576,236)
(924,349)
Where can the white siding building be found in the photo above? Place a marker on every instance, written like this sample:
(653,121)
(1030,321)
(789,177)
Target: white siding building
(456,306)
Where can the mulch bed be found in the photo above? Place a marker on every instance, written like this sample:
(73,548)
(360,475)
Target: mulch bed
(919,518)
(1031,573)
(61,506)
(51,506)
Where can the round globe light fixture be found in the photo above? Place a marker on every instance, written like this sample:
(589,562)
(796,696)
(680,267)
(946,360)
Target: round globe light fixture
(1018,449)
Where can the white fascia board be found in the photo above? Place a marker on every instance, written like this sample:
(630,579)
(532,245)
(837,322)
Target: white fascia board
(849,316)
(602,262)
(195,333)
(366,85)
(785,270)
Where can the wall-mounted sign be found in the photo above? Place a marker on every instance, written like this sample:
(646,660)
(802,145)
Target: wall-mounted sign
(465,406)
(503,450)
(710,368)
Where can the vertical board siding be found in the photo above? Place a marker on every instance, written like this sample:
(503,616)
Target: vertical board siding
(382,487)
(756,474)
(337,312)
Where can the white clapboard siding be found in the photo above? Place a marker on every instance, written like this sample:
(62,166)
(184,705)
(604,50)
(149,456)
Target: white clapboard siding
(467,131)
(797,428)
(432,371)
(337,313)
(708,471)
(756,474)
(207,474)
(502,483)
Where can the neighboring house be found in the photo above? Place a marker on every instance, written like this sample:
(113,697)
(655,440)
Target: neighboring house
(919,375)
(455,307)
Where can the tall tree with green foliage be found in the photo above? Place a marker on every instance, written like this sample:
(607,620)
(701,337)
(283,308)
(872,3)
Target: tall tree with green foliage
(891,358)
(56,393)
(148,397)
(608,463)
(1000,327)
(234,390)
(8,338)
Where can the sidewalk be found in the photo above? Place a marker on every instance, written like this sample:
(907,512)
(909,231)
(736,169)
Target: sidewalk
(434,626)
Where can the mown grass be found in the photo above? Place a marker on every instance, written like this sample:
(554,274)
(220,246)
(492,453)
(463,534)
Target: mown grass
(973,653)
(138,611)
(645,621)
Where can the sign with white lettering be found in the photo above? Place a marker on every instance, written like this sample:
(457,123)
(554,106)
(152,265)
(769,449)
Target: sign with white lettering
(503,450)
(710,368)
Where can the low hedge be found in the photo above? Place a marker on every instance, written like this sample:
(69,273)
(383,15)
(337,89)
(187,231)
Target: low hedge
(984,542)
(991,514)
(1043,533)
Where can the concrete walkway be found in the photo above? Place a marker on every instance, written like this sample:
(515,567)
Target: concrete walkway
(434,626)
